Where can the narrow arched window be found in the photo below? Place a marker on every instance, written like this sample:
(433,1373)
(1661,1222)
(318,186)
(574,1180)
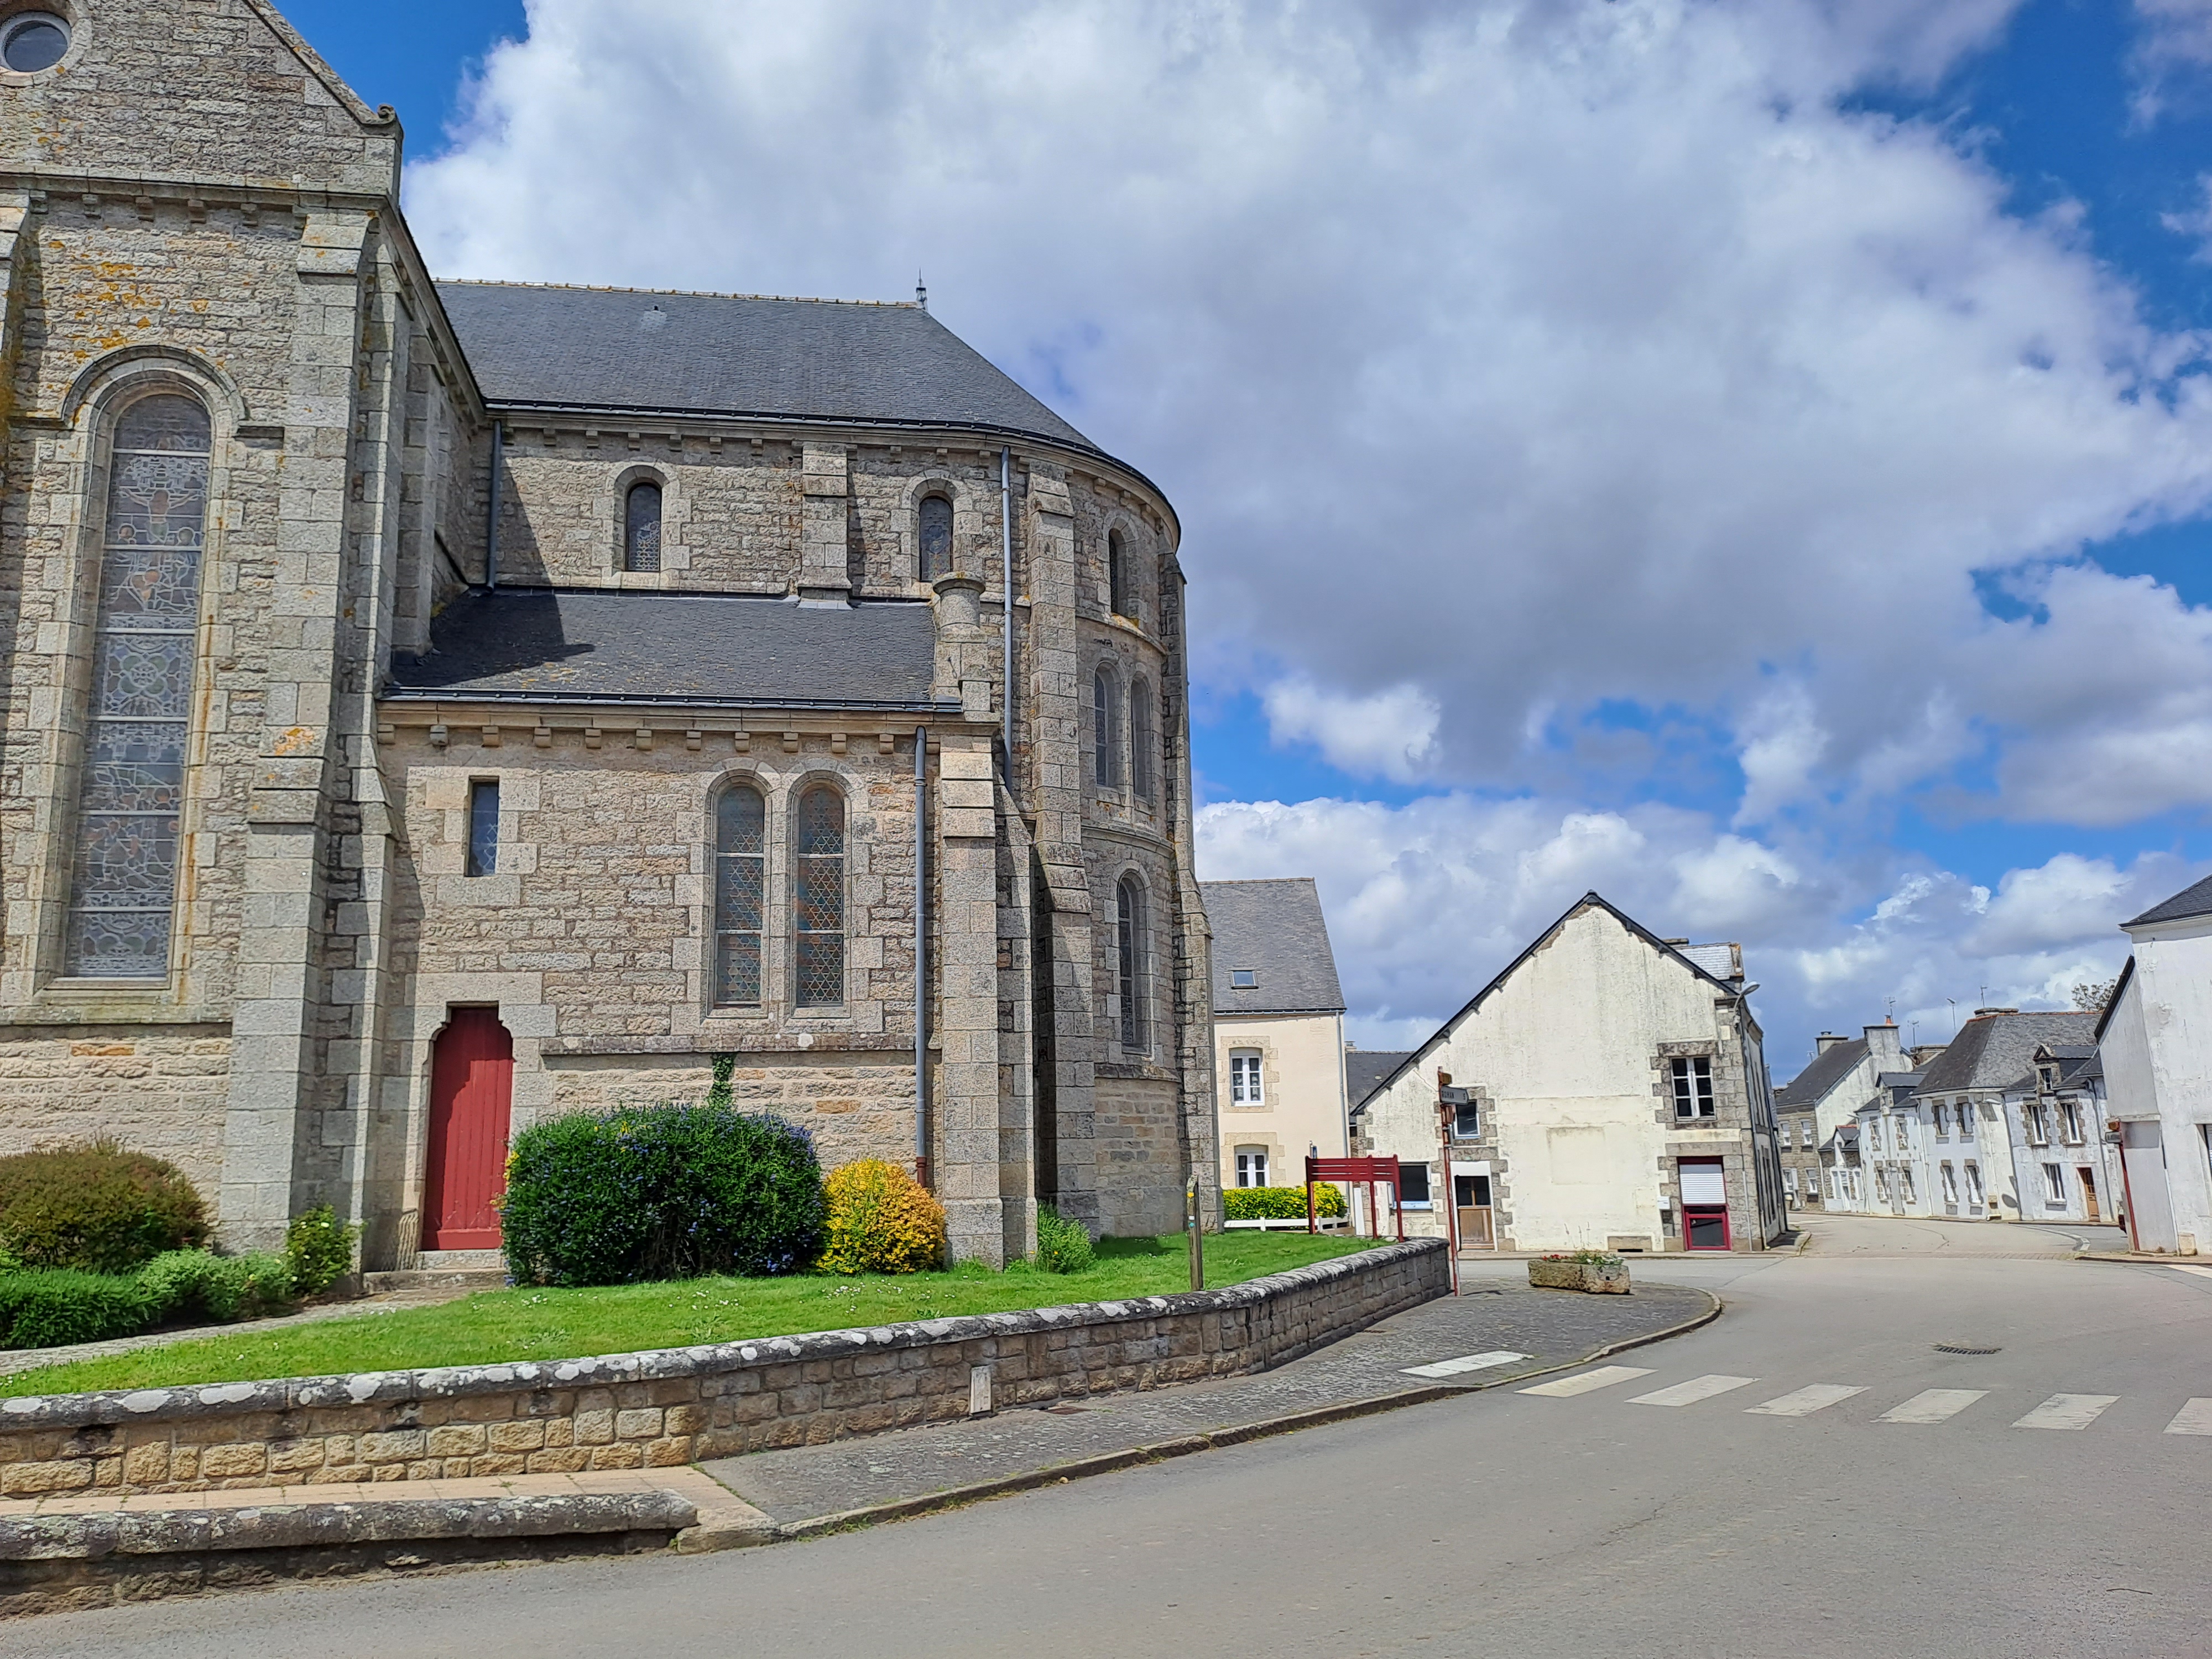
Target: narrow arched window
(1117,575)
(936,538)
(819,918)
(1106,728)
(1140,740)
(740,887)
(130,797)
(1129,942)
(642,527)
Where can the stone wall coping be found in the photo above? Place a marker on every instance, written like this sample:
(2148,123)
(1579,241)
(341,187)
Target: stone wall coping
(203,1400)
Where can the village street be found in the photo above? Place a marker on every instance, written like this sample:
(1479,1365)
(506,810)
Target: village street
(1718,1493)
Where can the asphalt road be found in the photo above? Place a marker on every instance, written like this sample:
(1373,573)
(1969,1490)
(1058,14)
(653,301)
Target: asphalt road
(1594,1522)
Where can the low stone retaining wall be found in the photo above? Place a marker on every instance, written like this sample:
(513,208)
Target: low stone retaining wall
(673,1406)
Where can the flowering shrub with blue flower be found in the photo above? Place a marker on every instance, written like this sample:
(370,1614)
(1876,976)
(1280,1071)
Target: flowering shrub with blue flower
(661,1192)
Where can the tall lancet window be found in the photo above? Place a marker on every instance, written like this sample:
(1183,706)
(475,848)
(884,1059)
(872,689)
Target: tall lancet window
(642,527)
(1140,740)
(131,795)
(819,945)
(1106,729)
(1129,942)
(740,885)
(936,538)
(1117,575)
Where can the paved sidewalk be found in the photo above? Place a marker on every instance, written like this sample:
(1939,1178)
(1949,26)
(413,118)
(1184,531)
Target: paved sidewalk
(822,1484)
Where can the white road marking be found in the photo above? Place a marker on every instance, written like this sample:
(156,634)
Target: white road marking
(1473,1362)
(1604,1378)
(2195,1418)
(1803,1402)
(1689,1393)
(2066,1411)
(2203,1272)
(1934,1406)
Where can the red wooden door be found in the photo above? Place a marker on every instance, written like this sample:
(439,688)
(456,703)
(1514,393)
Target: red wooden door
(471,1090)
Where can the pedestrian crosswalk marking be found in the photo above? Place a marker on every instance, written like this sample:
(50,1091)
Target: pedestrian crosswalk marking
(1604,1378)
(1697,1389)
(2179,1268)
(2195,1418)
(2066,1411)
(1803,1402)
(1473,1362)
(1932,1406)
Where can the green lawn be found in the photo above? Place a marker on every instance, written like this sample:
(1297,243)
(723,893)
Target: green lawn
(496,1326)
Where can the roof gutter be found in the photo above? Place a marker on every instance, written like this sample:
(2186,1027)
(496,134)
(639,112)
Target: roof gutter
(654,700)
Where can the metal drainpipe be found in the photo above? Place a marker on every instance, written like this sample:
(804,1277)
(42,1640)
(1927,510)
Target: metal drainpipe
(1007,607)
(491,515)
(921,957)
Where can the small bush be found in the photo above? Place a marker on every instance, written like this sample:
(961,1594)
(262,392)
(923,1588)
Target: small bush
(1063,1246)
(319,1249)
(881,1221)
(96,1208)
(47,1308)
(185,1285)
(660,1192)
(1282,1203)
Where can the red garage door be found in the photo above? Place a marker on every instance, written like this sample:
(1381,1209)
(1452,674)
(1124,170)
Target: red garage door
(471,1092)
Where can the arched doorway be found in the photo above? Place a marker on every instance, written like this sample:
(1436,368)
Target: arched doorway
(471,1093)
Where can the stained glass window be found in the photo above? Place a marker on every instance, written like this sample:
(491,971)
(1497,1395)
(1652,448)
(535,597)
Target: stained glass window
(1106,728)
(483,828)
(740,885)
(642,527)
(1141,739)
(820,907)
(936,538)
(124,885)
(1130,938)
(1117,575)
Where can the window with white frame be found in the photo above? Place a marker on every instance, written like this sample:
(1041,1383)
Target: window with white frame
(2069,1120)
(1904,1185)
(2038,1131)
(1251,1166)
(1943,1122)
(1692,1078)
(1789,1185)
(2054,1184)
(1950,1184)
(1244,1086)
(1882,1183)
(1974,1185)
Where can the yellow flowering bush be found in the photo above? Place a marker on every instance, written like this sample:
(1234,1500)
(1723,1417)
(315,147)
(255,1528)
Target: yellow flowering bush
(881,1221)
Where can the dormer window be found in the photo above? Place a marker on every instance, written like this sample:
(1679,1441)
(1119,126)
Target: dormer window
(642,527)
(1244,979)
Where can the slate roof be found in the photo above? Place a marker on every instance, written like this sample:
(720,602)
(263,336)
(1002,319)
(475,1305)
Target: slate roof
(1365,1070)
(543,644)
(547,346)
(1828,1068)
(1275,928)
(1993,1051)
(2189,901)
(1721,961)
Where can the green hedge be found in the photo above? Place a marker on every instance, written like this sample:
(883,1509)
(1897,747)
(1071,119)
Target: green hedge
(46,1307)
(1282,1203)
(661,1192)
(96,1208)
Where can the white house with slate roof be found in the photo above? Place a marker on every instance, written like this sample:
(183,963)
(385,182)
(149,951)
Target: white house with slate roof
(1820,1100)
(2155,1043)
(2066,1166)
(1278,1031)
(1617,1096)
(432,705)
(1968,1161)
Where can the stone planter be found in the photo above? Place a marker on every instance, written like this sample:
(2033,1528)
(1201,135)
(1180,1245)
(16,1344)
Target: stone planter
(1566,1275)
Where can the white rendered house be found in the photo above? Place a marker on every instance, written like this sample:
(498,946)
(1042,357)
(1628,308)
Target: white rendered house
(2155,1043)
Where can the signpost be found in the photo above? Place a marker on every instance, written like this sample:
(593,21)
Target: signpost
(1448,1101)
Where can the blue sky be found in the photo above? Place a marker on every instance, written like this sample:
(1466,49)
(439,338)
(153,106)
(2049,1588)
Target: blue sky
(1697,450)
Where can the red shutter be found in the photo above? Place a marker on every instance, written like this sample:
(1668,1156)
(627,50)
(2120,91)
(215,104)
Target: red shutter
(472,1092)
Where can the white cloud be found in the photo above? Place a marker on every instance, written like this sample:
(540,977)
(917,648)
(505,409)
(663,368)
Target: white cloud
(1426,902)
(1390,733)
(1502,358)
(2173,42)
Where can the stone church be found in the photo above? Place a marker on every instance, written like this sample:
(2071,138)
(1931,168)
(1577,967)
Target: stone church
(429,706)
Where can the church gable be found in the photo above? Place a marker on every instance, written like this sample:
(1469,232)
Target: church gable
(214,90)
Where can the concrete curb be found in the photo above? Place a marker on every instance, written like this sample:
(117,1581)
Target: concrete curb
(1241,1434)
(2132,1259)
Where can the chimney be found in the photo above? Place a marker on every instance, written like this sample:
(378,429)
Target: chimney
(1887,1051)
(1828,1040)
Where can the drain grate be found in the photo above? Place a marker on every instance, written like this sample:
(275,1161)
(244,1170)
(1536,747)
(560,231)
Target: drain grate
(1960,1348)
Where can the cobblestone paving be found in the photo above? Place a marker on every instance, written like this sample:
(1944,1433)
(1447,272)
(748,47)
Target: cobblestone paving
(1551,1327)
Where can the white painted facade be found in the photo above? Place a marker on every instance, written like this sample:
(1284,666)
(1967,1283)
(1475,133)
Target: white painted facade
(1569,1057)
(2156,1046)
